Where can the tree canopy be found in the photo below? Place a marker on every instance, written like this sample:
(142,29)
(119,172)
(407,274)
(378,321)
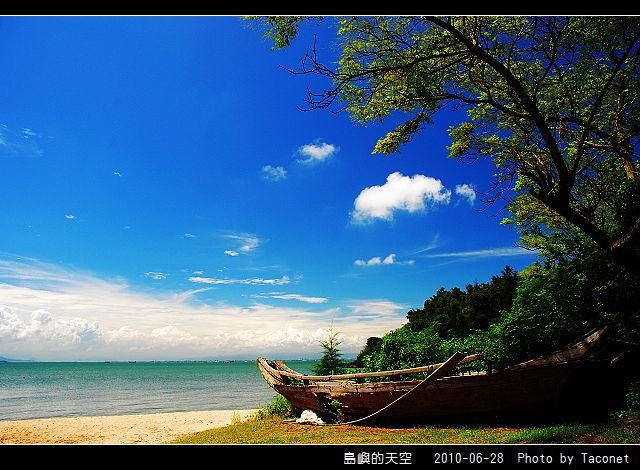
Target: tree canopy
(553,101)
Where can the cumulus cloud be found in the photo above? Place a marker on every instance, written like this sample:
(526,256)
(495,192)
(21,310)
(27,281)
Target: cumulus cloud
(53,313)
(390,259)
(399,193)
(376,260)
(256,281)
(466,191)
(70,216)
(274,173)
(316,152)
(43,326)
(158,276)
(285,296)
(246,243)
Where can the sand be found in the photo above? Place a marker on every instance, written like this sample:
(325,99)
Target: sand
(127,429)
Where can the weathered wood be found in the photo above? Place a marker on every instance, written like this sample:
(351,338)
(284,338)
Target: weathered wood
(288,372)
(439,372)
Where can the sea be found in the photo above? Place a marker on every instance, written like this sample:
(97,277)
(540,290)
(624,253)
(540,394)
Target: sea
(63,389)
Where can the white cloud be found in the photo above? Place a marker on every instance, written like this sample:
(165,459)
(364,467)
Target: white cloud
(372,262)
(23,142)
(246,243)
(51,313)
(375,309)
(256,281)
(466,191)
(298,297)
(274,173)
(390,259)
(117,173)
(377,260)
(399,193)
(488,253)
(433,244)
(317,152)
(70,216)
(158,276)
(189,235)
(28,133)
(42,326)
(198,273)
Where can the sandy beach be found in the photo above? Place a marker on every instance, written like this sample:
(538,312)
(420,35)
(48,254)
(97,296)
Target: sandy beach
(127,429)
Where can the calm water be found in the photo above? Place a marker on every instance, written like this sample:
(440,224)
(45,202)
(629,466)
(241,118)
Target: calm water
(56,389)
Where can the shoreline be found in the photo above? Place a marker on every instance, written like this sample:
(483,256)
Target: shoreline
(153,428)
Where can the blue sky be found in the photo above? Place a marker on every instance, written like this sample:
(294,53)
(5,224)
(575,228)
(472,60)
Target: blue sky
(163,197)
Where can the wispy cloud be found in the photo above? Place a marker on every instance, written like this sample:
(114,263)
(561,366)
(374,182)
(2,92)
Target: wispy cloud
(189,235)
(158,276)
(117,173)
(375,309)
(245,243)
(27,133)
(284,296)
(488,253)
(399,193)
(379,261)
(24,142)
(466,191)
(198,273)
(316,152)
(53,313)
(70,216)
(432,245)
(274,173)
(256,281)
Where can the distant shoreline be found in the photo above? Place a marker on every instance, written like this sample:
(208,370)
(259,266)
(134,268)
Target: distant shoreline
(154,428)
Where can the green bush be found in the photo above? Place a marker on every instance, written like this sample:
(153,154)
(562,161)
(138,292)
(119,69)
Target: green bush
(279,407)
(631,405)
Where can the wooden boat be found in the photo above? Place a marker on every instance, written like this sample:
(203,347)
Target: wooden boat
(564,384)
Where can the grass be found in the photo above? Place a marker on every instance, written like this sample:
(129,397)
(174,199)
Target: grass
(269,429)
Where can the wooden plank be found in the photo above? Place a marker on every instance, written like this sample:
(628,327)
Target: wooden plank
(362,375)
(270,375)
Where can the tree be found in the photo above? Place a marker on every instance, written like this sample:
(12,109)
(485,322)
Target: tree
(331,361)
(553,101)
(455,313)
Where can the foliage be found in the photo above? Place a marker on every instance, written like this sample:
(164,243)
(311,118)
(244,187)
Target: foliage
(332,410)
(631,405)
(554,102)
(456,312)
(403,348)
(555,303)
(331,361)
(373,344)
(279,406)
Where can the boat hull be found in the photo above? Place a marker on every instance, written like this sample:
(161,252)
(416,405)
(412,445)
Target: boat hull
(567,390)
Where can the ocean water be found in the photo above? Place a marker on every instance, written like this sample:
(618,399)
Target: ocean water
(61,389)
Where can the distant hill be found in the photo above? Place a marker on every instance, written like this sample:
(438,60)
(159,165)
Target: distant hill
(8,359)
